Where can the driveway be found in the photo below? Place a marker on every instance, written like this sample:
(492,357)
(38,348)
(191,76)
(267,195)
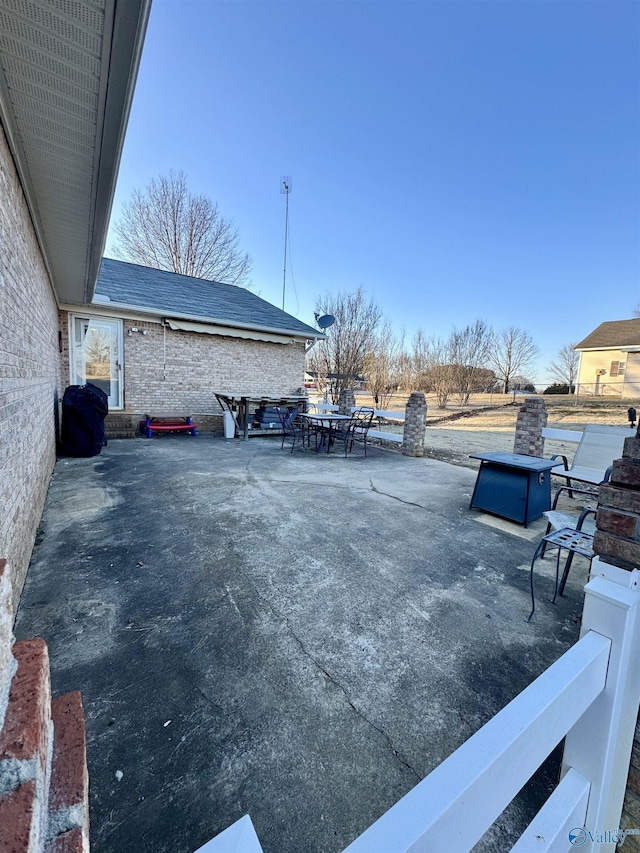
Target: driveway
(299,637)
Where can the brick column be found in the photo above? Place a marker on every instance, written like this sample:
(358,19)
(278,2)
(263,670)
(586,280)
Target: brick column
(415,421)
(346,402)
(532,418)
(617,542)
(617,539)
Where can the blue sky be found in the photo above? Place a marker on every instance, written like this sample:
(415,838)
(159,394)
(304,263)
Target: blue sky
(457,160)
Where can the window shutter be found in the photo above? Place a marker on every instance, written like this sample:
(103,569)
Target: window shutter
(614,368)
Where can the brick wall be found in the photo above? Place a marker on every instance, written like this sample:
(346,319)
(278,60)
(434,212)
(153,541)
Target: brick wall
(43,773)
(29,382)
(197,365)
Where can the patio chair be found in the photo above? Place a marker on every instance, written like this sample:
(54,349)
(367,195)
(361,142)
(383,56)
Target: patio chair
(557,519)
(575,540)
(599,446)
(292,427)
(362,420)
(344,431)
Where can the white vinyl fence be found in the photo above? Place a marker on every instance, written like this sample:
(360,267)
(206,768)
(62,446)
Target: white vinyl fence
(590,695)
(378,413)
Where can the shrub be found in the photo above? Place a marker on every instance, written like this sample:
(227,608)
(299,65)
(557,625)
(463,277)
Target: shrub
(558,388)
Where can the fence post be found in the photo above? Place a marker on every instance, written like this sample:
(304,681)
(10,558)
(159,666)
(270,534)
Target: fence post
(599,745)
(346,402)
(415,422)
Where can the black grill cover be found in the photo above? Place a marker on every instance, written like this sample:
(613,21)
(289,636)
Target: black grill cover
(84,408)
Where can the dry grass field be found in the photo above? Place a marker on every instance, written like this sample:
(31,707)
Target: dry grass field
(488,423)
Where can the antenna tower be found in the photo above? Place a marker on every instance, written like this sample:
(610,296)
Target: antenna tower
(285,187)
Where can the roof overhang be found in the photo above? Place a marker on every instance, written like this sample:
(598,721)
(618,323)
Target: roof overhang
(67,75)
(618,348)
(206,322)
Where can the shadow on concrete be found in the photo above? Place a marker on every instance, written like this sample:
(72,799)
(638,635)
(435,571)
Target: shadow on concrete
(299,637)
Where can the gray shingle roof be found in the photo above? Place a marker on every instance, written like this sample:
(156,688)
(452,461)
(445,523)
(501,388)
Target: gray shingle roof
(173,295)
(614,333)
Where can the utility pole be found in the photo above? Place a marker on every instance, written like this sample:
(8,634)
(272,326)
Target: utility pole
(285,187)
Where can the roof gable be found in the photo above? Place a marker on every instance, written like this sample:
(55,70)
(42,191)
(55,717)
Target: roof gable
(172,295)
(612,334)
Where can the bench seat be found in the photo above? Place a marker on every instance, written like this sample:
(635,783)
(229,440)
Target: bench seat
(167,424)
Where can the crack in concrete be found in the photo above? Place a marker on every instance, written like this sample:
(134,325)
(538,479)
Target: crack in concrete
(394,497)
(399,756)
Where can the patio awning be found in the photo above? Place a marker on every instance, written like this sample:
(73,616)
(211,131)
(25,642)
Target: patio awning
(227,331)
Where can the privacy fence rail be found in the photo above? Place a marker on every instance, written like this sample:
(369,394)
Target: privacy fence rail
(590,695)
(380,414)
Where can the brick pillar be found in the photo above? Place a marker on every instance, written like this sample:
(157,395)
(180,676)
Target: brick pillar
(346,402)
(532,418)
(617,542)
(617,539)
(415,421)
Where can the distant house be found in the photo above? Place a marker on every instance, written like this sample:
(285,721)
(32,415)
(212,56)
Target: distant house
(610,360)
(163,343)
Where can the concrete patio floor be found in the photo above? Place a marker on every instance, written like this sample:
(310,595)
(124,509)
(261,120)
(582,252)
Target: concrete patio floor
(299,637)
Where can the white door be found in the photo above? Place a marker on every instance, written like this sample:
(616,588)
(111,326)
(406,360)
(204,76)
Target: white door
(96,355)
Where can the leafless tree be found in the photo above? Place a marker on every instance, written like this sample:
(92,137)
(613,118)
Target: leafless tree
(167,227)
(417,378)
(636,311)
(343,355)
(383,364)
(522,382)
(565,369)
(441,369)
(512,351)
(470,348)
(432,370)
(97,345)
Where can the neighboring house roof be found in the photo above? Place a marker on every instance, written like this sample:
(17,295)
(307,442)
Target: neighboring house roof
(614,334)
(168,294)
(67,74)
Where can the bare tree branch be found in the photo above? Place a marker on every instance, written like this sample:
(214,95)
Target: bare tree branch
(512,351)
(383,365)
(470,348)
(565,369)
(169,228)
(343,355)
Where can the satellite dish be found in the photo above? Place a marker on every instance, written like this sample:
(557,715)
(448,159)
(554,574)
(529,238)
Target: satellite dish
(325,321)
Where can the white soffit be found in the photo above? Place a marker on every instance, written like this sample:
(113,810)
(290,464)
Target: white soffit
(67,71)
(209,329)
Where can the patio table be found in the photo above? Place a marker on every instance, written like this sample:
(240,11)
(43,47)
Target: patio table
(326,423)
